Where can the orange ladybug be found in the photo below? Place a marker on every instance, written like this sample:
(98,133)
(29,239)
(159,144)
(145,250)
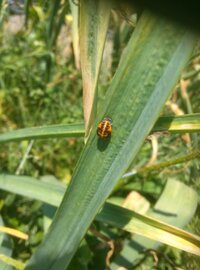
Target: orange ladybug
(104,128)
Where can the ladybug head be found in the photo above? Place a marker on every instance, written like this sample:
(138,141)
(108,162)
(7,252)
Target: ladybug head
(108,119)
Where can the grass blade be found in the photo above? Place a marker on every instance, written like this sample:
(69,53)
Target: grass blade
(53,131)
(7,260)
(46,192)
(27,11)
(94,19)
(52,18)
(176,206)
(14,232)
(5,248)
(120,217)
(178,124)
(75,32)
(150,227)
(175,124)
(59,23)
(181,159)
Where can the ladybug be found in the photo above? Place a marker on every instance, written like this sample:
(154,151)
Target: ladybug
(104,128)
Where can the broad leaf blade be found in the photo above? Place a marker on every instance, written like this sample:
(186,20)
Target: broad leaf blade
(136,96)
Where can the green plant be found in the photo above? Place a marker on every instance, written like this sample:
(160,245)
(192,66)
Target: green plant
(148,71)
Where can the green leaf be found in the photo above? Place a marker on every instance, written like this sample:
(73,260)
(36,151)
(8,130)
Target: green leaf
(153,228)
(39,11)
(44,191)
(181,159)
(183,123)
(147,73)
(11,262)
(94,19)
(52,19)
(54,131)
(176,206)
(59,23)
(27,11)
(175,124)
(75,32)
(1,235)
(5,249)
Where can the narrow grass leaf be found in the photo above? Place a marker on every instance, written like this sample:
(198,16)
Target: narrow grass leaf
(149,227)
(94,19)
(5,248)
(178,124)
(176,206)
(156,167)
(181,159)
(52,19)
(27,11)
(47,192)
(75,32)
(59,23)
(7,260)
(14,232)
(39,11)
(53,131)
(52,193)
(1,235)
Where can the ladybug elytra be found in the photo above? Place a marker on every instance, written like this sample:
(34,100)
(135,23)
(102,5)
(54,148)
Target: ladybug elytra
(104,128)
